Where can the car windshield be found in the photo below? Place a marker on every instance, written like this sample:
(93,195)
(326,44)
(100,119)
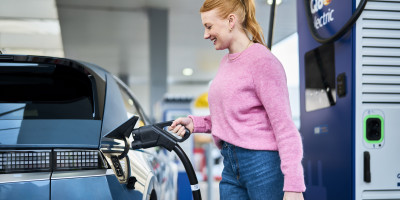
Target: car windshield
(44,92)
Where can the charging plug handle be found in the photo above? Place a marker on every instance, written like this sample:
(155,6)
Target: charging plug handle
(154,135)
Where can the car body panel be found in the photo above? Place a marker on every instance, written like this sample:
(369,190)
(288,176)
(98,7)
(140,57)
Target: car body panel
(50,133)
(80,188)
(114,106)
(28,189)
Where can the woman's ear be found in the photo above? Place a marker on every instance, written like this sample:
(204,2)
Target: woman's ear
(232,21)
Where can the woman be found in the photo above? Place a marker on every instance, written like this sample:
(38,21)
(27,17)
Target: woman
(250,117)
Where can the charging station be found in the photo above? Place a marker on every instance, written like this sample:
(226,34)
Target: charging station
(350,99)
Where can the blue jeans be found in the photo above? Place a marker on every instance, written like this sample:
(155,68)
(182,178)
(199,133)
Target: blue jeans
(250,174)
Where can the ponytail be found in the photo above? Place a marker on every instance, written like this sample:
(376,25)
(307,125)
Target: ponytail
(250,23)
(246,11)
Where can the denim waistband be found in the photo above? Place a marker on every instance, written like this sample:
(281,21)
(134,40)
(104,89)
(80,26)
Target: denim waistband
(225,144)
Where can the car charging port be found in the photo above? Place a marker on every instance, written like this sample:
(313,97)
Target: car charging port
(117,166)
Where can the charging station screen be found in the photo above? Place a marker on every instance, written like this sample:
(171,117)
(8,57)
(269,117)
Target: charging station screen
(320,77)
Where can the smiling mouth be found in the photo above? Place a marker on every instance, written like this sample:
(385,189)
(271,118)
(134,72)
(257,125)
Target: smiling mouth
(214,40)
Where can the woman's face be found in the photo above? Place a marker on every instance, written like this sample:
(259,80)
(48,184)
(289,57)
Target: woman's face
(216,29)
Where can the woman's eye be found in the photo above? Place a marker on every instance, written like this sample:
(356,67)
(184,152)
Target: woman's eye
(209,27)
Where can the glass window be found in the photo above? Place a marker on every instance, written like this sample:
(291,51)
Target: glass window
(44,92)
(131,105)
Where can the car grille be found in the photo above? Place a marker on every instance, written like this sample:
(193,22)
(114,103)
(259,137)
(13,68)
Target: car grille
(19,161)
(77,159)
(49,160)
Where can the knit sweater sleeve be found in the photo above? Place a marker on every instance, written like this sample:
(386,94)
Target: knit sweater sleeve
(202,124)
(270,84)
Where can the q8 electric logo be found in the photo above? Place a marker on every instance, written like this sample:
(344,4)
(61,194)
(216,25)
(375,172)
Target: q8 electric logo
(326,17)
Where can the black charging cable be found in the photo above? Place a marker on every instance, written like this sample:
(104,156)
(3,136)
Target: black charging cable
(155,135)
(338,34)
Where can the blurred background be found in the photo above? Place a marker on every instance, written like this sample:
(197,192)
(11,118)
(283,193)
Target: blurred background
(155,46)
(116,35)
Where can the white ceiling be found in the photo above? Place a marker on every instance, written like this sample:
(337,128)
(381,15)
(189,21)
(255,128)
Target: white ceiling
(30,27)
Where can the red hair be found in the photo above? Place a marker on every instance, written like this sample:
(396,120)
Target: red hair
(246,12)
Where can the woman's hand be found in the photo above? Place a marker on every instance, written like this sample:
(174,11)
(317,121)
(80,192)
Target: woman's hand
(178,126)
(293,196)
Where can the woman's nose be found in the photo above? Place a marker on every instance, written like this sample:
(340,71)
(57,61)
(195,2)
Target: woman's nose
(206,35)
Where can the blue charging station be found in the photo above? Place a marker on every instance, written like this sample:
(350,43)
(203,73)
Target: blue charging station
(350,99)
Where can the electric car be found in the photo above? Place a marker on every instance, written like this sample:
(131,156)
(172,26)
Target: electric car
(55,118)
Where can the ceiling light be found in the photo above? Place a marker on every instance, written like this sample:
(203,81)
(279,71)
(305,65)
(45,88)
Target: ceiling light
(278,2)
(31,26)
(187,71)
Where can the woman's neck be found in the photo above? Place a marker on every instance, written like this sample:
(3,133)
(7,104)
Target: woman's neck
(240,44)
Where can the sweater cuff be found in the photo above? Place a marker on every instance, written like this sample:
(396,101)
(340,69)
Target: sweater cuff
(294,184)
(199,126)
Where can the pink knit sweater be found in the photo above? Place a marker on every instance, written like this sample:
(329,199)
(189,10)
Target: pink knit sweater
(249,108)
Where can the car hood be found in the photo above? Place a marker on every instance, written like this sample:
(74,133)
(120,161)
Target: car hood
(40,133)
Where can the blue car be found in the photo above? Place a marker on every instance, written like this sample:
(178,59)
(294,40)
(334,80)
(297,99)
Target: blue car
(55,115)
